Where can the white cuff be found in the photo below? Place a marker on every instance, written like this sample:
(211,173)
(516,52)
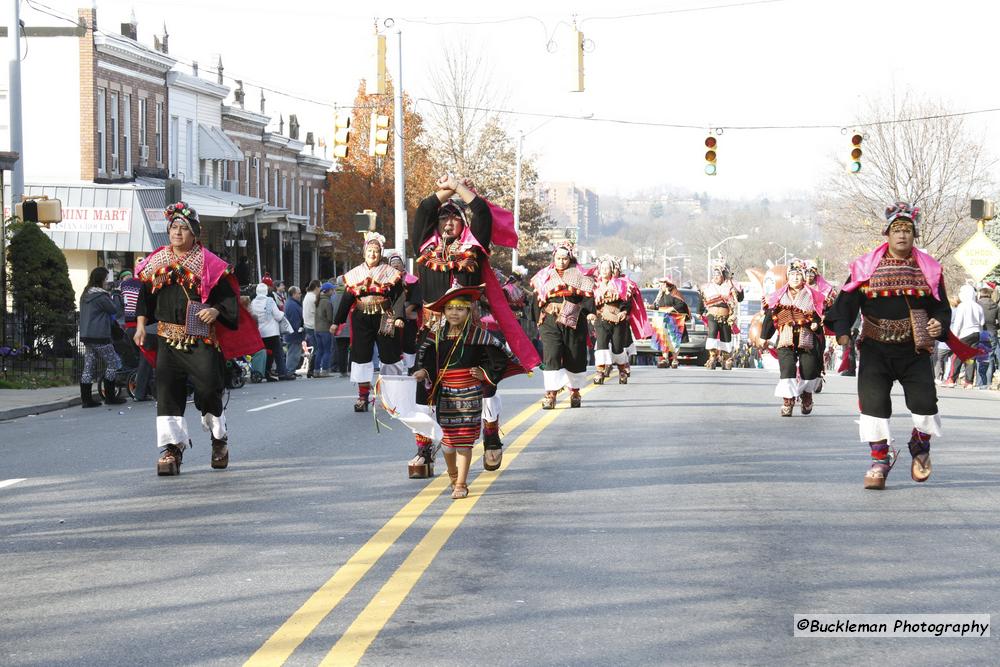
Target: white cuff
(716,344)
(491,408)
(576,380)
(554,380)
(787,388)
(362,373)
(215,425)
(929,424)
(409,359)
(397,368)
(809,386)
(171,430)
(602,357)
(873,429)
(620,358)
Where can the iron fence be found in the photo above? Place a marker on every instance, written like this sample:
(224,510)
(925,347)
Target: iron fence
(32,356)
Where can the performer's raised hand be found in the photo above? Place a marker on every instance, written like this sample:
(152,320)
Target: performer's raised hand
(934,328)
(421,374)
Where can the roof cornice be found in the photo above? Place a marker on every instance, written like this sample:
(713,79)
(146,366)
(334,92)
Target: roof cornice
(245,116)
(197,85)
(133,52)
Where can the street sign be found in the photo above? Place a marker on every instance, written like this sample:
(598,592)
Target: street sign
(978,255)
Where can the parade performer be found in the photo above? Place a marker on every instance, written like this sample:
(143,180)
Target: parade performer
(620,314)
(900,292)
(192,296)
(720,297)
(829,292)
(795,313)
(374,298)
(669,300)
(564,302)
(454,230)
(457,360)
(411,298)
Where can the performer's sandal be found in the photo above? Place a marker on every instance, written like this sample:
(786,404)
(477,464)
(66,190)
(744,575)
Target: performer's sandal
(549,401)
(361,405)
(492,458)
(787,407)
(220,453)
(599,378)
(875,477)
(421,466)
(574,398)
(920,468)
(454,479)
(170,461)
(460,491)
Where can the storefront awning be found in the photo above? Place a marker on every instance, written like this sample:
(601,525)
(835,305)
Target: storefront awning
(212,203)
(213,144)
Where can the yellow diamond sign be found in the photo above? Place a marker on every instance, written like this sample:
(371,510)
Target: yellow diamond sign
(978,255)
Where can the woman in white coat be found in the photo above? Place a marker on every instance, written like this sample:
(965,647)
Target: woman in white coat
(269,317)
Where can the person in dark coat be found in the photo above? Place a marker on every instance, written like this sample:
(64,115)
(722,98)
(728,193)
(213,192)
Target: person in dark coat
(97,314)
(293,313)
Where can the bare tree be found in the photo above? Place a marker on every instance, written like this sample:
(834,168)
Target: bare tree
(930,162)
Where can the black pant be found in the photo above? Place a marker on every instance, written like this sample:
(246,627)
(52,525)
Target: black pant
(276,358)
(720,329)
(617,336)
(806,360)
(881,364)
(341,347)
(203,365)
(364,336)
(563,347)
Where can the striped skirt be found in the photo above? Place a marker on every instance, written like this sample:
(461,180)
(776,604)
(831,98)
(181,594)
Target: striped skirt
(459,408)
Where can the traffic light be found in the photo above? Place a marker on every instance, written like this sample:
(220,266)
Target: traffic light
(378,135)
(341,135)
(856,139)
(710,144)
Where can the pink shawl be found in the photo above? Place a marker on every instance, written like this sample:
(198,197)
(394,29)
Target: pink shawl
(503,233)
(817,297)
(214,269)
(637,318)
(864,267)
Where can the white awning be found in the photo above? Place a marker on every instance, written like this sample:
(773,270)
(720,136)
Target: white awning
(212,203)
(213,144)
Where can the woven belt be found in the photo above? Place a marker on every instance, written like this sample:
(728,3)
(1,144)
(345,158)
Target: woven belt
(610,313)
(372,305)
(887,331)
(719,311)
(176,336)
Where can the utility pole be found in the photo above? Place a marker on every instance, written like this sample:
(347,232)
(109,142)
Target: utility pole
(397,152)
(517,200)
(14,99)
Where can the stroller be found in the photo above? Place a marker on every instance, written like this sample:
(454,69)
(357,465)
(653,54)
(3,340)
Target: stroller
(128,351)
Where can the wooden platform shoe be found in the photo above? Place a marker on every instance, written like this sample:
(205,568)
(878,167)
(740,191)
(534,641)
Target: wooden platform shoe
(169,463)
(421,466)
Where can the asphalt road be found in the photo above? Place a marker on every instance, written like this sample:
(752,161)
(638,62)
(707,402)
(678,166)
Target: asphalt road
(675,520)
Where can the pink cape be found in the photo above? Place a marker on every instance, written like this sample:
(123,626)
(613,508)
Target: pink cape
(245,339)
(864,267)
(639,321)
(817,297)
(518,341)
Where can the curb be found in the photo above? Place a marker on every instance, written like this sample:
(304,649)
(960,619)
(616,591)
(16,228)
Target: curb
(15,413)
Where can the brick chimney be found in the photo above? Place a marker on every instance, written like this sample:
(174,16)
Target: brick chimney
(219,69)
(88,95)
(131,29)
(239,94)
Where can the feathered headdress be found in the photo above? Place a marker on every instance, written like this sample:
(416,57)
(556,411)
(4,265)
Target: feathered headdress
(902,211)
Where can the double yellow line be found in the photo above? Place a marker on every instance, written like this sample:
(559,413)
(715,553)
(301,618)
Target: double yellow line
(362,632)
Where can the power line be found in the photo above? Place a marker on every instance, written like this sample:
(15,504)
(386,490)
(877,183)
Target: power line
(687,10)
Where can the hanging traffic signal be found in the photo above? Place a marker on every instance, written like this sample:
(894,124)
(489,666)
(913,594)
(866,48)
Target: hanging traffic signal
(378,135)
(710,144)
(856,139)
(341,136)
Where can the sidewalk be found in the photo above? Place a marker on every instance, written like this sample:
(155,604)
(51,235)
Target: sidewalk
(16,403)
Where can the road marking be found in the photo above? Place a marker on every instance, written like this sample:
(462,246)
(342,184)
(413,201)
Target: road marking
(273,405)
(11,482)
(350,648)
(280,646)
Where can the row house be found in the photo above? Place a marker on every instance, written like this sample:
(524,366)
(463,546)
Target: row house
(119,119)
(291,238)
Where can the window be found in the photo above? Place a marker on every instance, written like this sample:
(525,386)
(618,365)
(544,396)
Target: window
(159,132)
(277,188)
(175,144)
(189,148)
(127,126)
(267,187)
(246,177)
(114,131)
(102,147)
(142,121)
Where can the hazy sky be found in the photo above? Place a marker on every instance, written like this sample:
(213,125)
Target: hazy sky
(787,62)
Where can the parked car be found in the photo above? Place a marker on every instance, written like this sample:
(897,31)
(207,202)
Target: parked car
(693,351)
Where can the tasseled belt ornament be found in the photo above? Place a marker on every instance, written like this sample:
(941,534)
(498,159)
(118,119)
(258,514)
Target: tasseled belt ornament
(177,336)
(372,305)
(887,331)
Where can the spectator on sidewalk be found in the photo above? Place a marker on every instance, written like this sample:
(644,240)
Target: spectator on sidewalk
(991,314)
(268,317)
(324,331)
(97,312)
(967,321)
(342,337)
(243,273)
(280,294)
(309,320)
(293,313)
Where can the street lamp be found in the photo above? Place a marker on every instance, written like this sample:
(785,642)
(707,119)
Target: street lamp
(784,251)
(514,258)
(673,257)
(708,261)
